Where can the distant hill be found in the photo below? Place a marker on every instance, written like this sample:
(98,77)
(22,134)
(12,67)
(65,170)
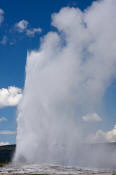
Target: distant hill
(6,153)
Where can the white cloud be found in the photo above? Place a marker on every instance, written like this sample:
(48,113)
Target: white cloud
(4,40)
(4,143)
(3,119)
(22,25)
(7,132)
(33,31)
(101,136)
(10,96)
(94,117)
(1,16)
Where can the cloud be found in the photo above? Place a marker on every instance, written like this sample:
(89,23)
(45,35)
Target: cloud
(10,96)
(33,31)
(1,16)
(3,119)
(22,25)
(4,143)
(4,40)
(101,136)
(6,132)
(93,117)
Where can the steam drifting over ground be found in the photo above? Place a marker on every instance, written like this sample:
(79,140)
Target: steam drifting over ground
(66,76)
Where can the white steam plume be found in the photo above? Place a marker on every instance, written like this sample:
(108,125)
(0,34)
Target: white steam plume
(70,72)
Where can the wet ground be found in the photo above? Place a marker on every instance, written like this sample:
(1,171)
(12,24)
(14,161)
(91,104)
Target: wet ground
(50,169)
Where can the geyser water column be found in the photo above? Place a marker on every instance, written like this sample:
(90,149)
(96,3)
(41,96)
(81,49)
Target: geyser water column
(70,71)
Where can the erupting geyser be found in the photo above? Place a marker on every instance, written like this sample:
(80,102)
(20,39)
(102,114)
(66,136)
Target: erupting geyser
(65,79)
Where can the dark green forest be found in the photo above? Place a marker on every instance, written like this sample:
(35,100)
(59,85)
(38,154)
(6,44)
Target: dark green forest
(6,154)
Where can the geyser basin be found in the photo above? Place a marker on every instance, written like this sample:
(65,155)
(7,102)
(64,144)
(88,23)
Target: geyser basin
(66,78)
(49,169)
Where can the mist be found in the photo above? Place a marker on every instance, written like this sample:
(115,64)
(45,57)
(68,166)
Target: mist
(66,78)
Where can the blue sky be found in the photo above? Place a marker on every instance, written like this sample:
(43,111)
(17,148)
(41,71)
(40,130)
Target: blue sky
(17,38)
